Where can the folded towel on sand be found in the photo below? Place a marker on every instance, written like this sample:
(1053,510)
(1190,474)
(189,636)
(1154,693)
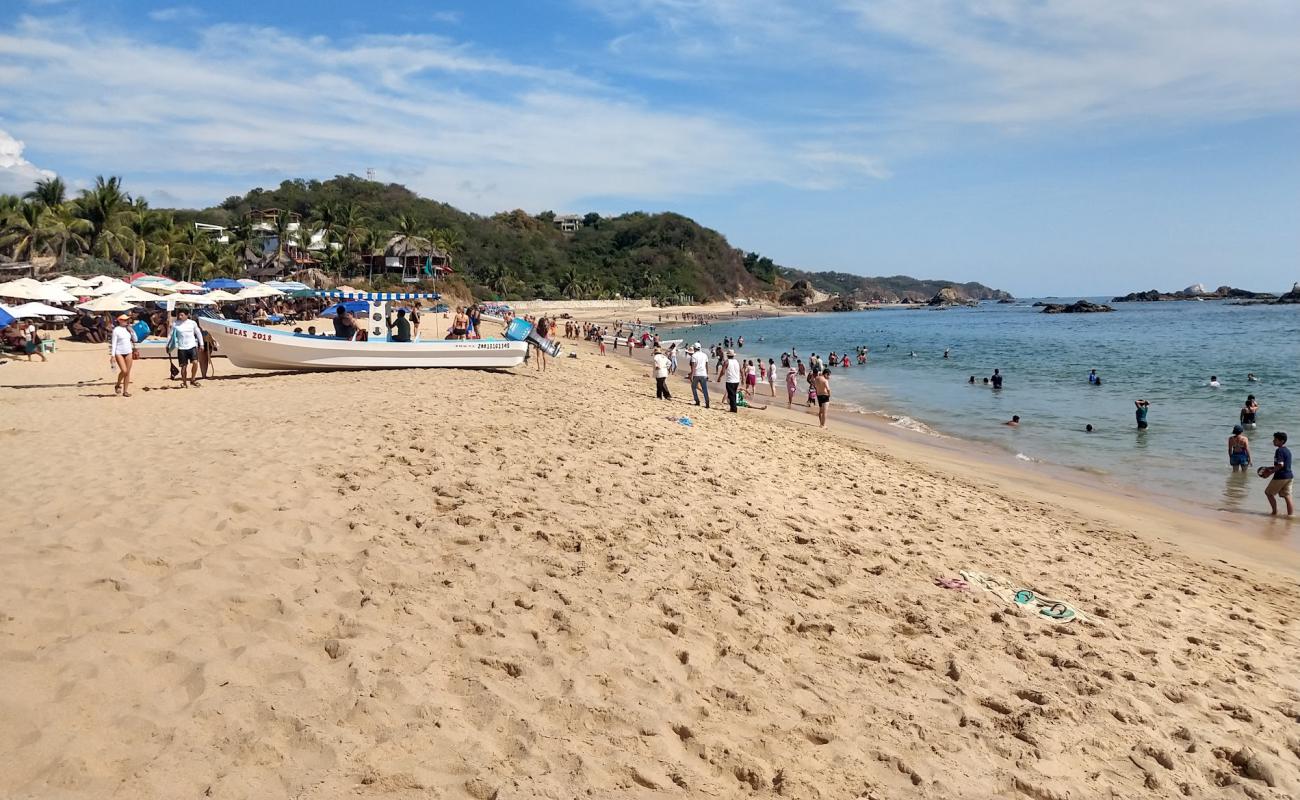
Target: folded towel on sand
(1043,607)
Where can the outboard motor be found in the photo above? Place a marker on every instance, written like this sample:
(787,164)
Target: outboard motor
(521,330)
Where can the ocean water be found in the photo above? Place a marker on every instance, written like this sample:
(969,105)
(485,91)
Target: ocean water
(1163,352)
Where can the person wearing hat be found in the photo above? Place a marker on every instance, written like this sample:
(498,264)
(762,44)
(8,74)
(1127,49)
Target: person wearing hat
(661,375)
(699,374)
(121,354)
(730,370)
(1238,449)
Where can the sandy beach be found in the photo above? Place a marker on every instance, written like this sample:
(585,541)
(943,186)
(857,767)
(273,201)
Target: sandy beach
(429,584)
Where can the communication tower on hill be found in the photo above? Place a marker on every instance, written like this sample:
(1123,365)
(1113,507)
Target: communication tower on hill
(370,173)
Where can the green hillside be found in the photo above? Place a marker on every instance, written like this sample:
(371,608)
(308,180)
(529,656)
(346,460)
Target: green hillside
(509,255)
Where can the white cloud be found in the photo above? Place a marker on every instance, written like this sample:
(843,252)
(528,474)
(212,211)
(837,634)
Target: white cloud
(1014,64)
(17,174)
(256,104)
(176,14)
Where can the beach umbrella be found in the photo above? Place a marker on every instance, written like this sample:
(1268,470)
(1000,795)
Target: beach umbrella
(185,286)
(149,280)
(355,306)
(70,282)
(156,288)
(221,296)
(110,302)
(106,287)
(5,317)
(24,289)
(258,290)
(188,300)
(248,282)
(223,283)
(38,310)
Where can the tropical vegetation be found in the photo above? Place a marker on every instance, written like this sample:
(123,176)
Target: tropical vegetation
(336,226)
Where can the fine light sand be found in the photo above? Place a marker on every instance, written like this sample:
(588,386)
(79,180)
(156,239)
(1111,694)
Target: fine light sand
(508,585)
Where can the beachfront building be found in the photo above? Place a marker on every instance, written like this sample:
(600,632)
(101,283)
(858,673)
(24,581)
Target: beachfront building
(568,223)
(413,257)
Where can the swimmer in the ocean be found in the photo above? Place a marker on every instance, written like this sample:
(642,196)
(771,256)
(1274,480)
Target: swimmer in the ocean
(1014,422)
(1250,377)
(1249,412)
(1214,382)
(1088,428)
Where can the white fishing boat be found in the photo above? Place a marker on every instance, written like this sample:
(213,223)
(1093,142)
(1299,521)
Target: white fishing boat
(257,347)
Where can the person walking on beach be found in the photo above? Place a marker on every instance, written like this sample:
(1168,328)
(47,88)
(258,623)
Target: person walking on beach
(731,372)
(661,375)
(1280,474)
(121,354)
(187,339)
(1238,449)
(544,331)
(1142,407)
(699,374)
(822,385)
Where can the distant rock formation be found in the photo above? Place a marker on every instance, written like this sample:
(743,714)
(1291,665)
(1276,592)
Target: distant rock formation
(1194,292)
(1290,298)
(1080,307)
(948,296)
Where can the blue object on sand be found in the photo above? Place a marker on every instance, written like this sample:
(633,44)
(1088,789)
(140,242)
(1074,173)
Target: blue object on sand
(686,421)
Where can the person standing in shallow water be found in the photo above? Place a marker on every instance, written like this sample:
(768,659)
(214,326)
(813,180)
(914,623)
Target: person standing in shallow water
(1238,450)
(1280,475)
(822,385)
(1142,407)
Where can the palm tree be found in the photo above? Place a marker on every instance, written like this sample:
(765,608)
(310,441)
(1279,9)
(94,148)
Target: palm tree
(572,284)
(100,207)
(26,231)
(136,228)
(352,227)
(191,245)
(66,229)
(49,192)
(163,237)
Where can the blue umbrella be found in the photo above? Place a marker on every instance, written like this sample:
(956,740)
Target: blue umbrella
(5,318)
(223,283)
(355,306)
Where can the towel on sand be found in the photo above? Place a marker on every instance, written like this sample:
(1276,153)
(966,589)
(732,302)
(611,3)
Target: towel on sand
(1043,607)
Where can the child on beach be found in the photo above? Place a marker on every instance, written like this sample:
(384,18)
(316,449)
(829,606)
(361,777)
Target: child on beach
(1280,475)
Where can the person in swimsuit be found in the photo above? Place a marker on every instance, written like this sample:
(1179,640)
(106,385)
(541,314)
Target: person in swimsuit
(459,325)
(1238,449)
(822,385)
(1249,412)
(1142,407)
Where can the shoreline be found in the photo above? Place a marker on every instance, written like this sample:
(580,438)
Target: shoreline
(1097,477)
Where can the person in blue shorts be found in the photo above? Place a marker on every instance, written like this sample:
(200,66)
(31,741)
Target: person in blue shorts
(1238,449)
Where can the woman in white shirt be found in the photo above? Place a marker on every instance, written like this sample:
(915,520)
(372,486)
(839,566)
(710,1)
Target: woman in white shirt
(121,352)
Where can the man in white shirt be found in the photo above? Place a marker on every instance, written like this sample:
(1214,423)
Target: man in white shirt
(661,375)
(730,369)
(187,338)
(699,374)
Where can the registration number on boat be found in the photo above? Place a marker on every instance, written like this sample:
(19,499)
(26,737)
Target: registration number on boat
(261,337)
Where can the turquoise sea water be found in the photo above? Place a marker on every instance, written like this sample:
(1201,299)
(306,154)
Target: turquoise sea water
(1163,352)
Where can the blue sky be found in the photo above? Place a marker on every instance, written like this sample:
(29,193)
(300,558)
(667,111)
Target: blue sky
(1042,146)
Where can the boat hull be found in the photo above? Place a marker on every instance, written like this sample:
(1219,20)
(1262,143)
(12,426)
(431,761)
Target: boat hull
(255,347)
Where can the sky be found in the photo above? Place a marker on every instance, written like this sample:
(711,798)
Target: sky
(1046,147)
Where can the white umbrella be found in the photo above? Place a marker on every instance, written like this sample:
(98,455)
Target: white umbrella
(221,296)
(189,300)
(246,282)
(260,290)
(111,302)
(185,286)
(108,286)
(38,310)
(69,282)
(158,288)
(24,289)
